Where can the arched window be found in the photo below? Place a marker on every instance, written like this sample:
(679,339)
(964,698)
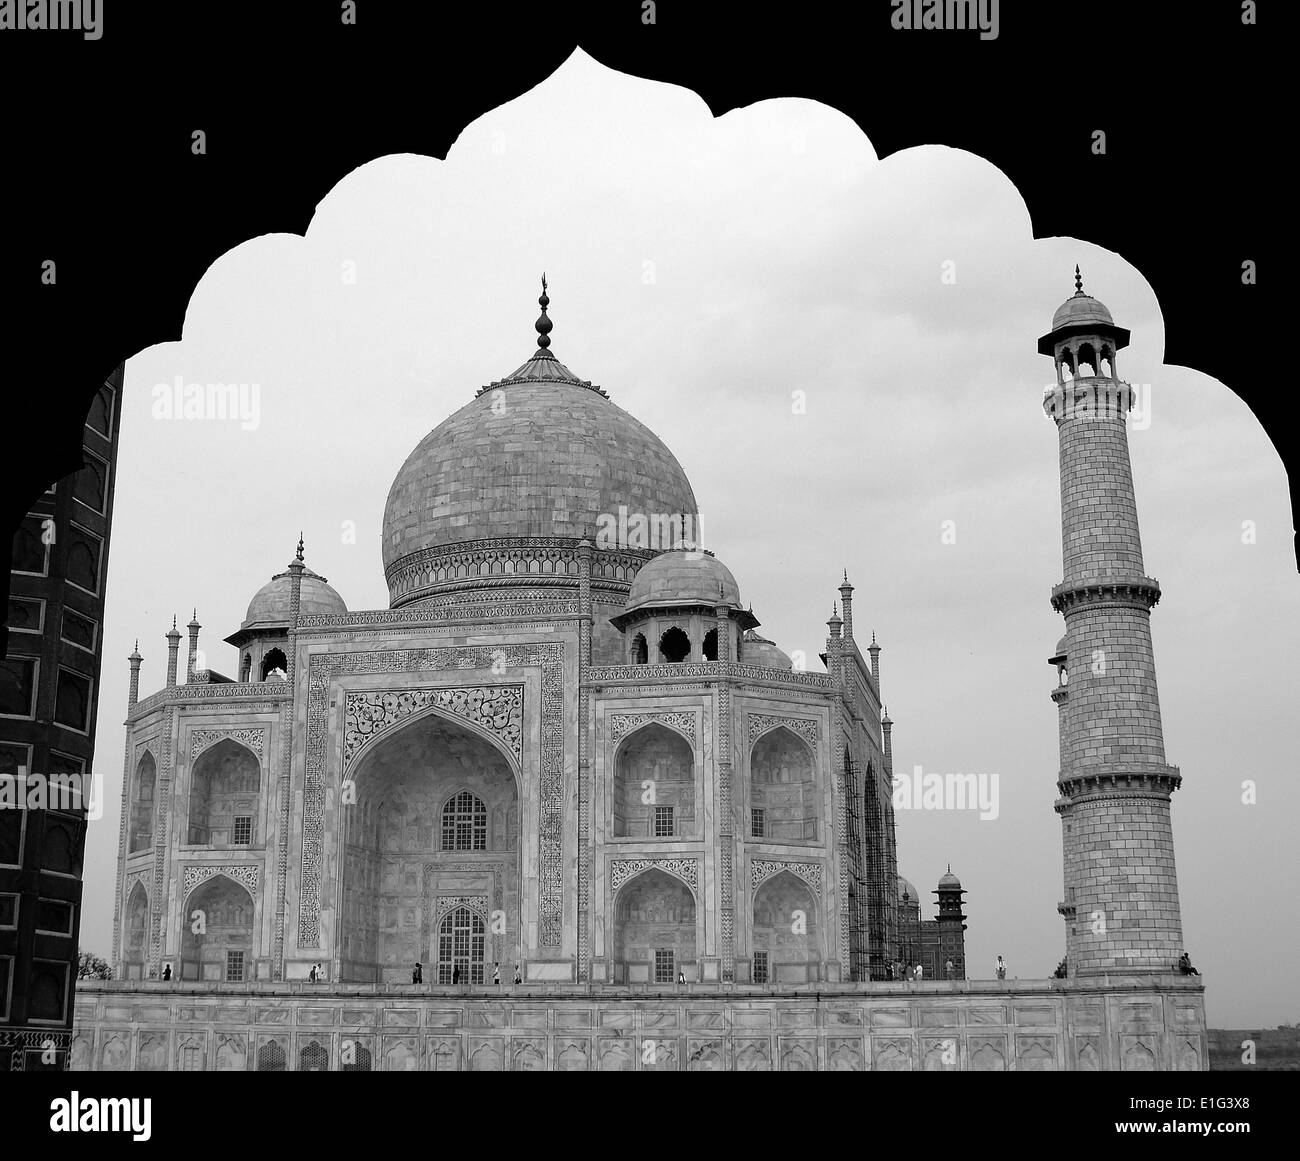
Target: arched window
(356,1060)
(246,667)
(274,659)
(224,785)
(640,653)
(271,1058)
(1065,363)
(674,646)
(313,1058)
(464,823)
(460,944)
(783,787)
(654,785)
(142,808)
(710,647)
(1107,363)
(1087,361)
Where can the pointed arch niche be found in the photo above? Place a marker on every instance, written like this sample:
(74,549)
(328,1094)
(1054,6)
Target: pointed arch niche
(436,818)
(656,932)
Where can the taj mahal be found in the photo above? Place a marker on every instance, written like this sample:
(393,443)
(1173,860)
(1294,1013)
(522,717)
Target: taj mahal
(565,775)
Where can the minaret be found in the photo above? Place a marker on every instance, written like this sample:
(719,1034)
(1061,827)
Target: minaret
(296,569)
(191,664)
(887,733)
(173,647)
(133,695)
(834,625)
(874,650)
(1121,894)
(846,599)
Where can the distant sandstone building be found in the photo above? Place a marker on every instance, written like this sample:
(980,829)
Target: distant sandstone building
(933,943)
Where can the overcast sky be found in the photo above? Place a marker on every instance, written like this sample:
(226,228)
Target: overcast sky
(703,270)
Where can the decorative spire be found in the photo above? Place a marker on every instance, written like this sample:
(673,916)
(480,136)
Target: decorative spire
(543,324)
(1078,281)
(299,554)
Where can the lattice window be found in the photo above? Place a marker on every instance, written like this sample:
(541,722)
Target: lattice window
(758,822)
(271,1058)
(464,823)
(663,822)
(665,961)
(243,830)
(358,1060)
(461,938)
(760,967)
(235,966)
(313,1058)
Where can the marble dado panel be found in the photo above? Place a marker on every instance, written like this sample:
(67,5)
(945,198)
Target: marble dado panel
(399,1029)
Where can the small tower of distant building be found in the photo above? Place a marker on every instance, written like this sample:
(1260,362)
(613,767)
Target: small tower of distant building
(950,926)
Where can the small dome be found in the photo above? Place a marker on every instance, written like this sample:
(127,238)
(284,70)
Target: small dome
(1081,310)
(683,578)
(272,602)
(949,881)
(1060,647)
(760,651)
(906,889)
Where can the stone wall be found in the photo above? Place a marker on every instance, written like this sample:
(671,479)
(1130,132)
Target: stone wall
(1114,1023)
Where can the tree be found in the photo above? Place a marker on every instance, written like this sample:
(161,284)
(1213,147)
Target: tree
(91,967)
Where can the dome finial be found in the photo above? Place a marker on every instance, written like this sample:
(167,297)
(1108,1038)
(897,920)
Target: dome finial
(543,324)
(1078,280)
(298,555)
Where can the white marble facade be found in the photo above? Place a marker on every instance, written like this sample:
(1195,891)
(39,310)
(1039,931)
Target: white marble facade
(561,756)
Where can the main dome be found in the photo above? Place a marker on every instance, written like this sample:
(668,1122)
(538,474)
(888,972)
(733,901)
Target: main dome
(541,455)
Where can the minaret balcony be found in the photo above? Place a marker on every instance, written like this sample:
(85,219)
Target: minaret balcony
(1140,592)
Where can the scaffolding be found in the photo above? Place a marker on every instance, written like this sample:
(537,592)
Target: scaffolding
(881,879)
(859,963)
